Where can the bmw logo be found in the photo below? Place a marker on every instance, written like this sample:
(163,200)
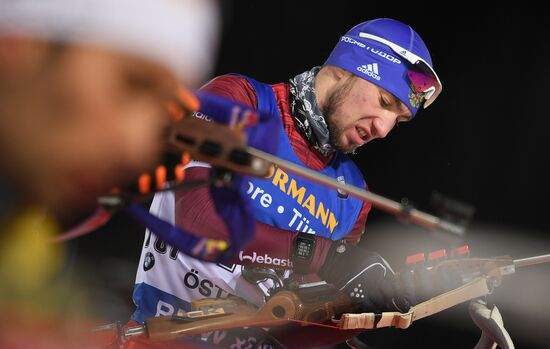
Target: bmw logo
(149,261)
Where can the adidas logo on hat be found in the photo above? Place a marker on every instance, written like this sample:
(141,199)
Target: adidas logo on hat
(370,70)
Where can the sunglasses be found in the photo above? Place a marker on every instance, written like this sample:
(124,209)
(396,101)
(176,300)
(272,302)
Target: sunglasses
(423,78)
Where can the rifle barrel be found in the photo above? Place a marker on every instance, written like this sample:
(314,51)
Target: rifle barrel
(383,203)
(523,262)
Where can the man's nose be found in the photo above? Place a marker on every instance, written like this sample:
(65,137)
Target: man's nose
(383,124)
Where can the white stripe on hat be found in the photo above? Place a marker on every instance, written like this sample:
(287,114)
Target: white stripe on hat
(181,35)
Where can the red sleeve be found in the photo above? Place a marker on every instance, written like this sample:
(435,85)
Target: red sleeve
(233,87)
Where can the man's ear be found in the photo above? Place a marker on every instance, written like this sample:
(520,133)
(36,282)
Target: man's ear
(340,73)
(336,73)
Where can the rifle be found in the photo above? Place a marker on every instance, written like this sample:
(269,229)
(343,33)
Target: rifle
(315,304)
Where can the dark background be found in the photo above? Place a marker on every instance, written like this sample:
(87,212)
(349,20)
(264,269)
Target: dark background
(484,142)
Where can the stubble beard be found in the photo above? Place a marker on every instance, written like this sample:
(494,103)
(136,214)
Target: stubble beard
(330,112)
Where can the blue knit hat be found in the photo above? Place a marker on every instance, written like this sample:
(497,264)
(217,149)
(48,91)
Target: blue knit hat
(391,55)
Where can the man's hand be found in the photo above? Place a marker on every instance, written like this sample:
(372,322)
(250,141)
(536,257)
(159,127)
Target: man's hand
(372,284)
(365,276)
(421,283)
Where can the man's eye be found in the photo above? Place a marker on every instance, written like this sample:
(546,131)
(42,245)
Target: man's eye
(383,102)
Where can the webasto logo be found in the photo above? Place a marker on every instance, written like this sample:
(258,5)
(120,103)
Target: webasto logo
(265,259)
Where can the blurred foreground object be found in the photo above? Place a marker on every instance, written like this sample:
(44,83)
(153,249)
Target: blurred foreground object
(83,86)
(83,89)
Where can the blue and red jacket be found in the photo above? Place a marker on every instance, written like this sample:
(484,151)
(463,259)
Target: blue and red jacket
(194,207)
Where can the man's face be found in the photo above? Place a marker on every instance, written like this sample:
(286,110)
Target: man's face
(86,120)
(358,111)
